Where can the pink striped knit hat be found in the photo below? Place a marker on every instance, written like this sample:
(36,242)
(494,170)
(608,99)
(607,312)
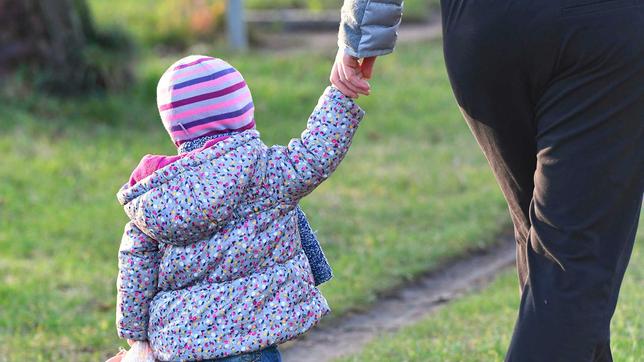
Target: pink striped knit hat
(203,96)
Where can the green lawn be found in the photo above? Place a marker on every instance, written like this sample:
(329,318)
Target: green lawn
(478,327)
(413,192)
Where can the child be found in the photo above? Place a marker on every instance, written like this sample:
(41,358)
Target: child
(210,264)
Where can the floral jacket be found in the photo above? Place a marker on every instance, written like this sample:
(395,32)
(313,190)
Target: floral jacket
(210,264)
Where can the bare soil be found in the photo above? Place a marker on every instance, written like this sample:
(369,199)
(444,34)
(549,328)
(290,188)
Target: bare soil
(404,306)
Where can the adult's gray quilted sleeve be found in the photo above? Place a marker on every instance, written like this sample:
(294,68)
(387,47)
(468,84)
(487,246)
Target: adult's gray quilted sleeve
(369,27)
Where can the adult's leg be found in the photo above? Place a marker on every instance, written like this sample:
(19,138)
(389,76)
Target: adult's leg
(483,54)
(546,98)
(588,185)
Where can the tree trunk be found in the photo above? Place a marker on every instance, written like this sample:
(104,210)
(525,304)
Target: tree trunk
(51,37)
(64,41)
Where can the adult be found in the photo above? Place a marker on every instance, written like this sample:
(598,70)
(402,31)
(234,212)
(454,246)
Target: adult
(553,91)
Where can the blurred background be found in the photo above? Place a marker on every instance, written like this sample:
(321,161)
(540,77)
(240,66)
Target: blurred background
(88,45)
(78,111)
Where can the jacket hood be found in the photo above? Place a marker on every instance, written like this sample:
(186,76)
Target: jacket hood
(164,206)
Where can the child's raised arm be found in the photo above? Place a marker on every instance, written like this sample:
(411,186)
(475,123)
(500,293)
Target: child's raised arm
(137,282)
(295,170)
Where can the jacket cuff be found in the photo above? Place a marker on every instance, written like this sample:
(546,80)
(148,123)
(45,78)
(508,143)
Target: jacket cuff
(133,335)
(334,96)
(369,28)
(364,53)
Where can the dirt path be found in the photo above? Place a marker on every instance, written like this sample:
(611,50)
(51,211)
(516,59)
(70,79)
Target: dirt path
(404,307)
(323,42)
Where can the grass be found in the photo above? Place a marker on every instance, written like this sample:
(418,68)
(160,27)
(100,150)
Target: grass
(478,327)
(413,192)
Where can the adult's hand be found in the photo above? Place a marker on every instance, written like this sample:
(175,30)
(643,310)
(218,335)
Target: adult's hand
(349,74)
(366,67)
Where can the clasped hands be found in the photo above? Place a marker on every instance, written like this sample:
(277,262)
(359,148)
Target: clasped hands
(350,74)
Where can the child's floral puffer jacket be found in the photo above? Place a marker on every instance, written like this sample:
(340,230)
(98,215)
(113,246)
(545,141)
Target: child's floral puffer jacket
(210,264)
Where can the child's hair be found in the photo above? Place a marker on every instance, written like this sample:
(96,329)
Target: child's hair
(202,96)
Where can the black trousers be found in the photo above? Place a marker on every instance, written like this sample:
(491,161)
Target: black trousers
(553,91)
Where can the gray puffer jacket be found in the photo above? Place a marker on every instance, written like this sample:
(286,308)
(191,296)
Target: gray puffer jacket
(369,27)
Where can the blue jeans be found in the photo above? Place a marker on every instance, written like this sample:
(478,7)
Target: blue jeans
(270,354)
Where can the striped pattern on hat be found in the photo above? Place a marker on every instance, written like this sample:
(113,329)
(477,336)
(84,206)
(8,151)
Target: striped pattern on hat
(203,96)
